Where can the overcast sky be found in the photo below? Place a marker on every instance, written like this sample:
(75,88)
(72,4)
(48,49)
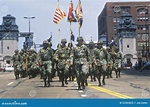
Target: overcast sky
(43,11)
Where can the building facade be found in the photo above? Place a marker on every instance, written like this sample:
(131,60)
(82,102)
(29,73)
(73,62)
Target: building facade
(109,19)
(8,39)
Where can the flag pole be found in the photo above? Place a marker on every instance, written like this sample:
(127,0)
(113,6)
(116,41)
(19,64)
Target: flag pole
(58,26)
(79,30)
(70,32)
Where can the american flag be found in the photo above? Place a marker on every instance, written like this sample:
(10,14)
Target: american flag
(58,15)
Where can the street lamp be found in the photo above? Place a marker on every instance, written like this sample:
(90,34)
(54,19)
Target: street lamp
(29,21)
(27,38)
(27,41)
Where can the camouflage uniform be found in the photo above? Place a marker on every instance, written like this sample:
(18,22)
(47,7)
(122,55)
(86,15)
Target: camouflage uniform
(45,62)
(80,62)
(109,63)
(71,70)
(92,66)
(23,63)
(101,63)
(16,63)
(53,62)
(118,62)
(32,64)
(62,57)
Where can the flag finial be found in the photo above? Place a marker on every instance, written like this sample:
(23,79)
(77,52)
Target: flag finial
(91,38)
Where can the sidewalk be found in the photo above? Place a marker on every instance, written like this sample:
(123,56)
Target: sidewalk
(132,71)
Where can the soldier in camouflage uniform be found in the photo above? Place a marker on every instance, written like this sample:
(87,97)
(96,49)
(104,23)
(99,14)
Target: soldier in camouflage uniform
(71,70)
(80,62)
(92,66)
(101,63)
(23,63)
(53,63)
(16,63)
(62,57)
(117,62)
(45,62)
(109,62)
(32,63)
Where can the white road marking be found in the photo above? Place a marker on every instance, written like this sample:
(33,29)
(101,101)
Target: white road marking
(83,95)
(80,91)
(10,83)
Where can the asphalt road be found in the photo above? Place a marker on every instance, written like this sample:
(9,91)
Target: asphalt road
(132,84)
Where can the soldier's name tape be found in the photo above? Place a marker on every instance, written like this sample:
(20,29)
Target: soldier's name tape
(110,92)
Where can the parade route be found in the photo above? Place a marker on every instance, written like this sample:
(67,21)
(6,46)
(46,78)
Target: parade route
(131,85)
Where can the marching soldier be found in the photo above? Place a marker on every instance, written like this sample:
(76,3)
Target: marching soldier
(71,70)
(92,66)
(118,62)
(23,63)
(32,63)
(62,57)
(109,62)
(16,63)
(53,62)
(80,62)
(46,58)
(101,63)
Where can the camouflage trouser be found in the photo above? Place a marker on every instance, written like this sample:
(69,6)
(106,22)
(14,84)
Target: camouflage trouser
(109,70)
(17,70)
(33,70)
(23,70)
(80,75)
(46,68)
(92,69)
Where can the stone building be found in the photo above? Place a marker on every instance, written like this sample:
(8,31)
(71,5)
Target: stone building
(109,19)
(8,39)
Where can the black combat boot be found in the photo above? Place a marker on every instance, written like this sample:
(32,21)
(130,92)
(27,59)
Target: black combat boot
(45,85)
(62,84)
(48,83)
(66,82)
(83,87)
(103,82)
(94,78)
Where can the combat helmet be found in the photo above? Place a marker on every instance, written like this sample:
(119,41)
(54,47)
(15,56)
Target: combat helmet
(107,48)
(16,51)
(100,42)
(79,38)
(45,42)
(23,50)
(63,41)
(91,43)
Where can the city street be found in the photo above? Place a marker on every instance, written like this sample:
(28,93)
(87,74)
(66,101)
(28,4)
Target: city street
(131,84)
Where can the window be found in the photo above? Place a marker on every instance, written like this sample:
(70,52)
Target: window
(7,47)
(8,61)
(142,18)
(142,27)
(138,35)
(142,11)
(115,27)
(125,9)
(118,19)
(127,46)
(114,19)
